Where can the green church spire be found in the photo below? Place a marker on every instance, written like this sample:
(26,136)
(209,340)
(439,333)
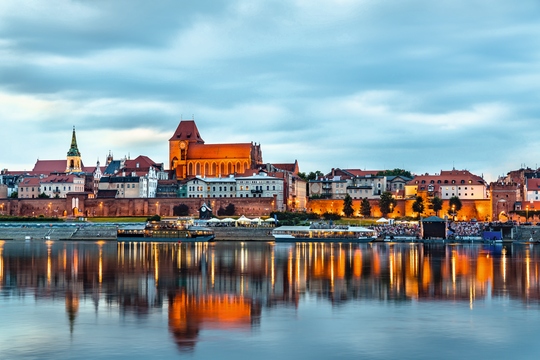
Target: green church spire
(73,150)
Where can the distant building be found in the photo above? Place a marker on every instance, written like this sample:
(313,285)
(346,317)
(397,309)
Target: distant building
(60,185)
(447,184)
(189,156)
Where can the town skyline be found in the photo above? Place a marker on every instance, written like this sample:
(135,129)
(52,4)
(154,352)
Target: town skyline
(417,85)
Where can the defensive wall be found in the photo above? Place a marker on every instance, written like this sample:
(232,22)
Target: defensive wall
(78,205)
(471,209)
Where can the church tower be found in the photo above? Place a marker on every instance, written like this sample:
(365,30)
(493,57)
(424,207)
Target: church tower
(73,163)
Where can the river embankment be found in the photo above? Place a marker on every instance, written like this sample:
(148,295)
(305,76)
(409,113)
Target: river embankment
(85,232)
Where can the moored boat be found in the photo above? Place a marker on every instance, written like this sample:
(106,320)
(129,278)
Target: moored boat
(323,233)
(166,230)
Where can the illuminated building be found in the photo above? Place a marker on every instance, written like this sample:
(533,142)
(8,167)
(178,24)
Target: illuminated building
(189,156)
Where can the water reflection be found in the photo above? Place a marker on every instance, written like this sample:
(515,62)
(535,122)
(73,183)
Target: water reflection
(225,286)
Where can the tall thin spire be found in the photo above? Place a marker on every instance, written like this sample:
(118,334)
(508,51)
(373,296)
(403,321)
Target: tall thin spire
(73,150)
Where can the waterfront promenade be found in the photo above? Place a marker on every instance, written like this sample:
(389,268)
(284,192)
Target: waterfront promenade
(78,232)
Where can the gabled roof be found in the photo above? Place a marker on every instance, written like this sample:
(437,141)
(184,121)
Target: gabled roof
(144,163)
(59,179)
(30,181)
(359,172)
(533,184)
(448,177)
(293,167)
(47,167)
(187,130)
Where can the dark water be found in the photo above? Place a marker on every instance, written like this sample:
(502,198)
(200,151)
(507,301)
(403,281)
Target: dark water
(67,300)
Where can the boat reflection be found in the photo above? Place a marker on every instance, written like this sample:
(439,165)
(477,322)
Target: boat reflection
(225,286)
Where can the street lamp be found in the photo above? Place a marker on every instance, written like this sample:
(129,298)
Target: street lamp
(453,212)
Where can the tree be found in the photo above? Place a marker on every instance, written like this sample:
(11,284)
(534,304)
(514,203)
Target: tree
(43,196)
(387,203)
(365,207)
(455,206)
(436,204)
(228,211)
(418,206)
(181,210)
(348,209)
(395,172)
(14,195)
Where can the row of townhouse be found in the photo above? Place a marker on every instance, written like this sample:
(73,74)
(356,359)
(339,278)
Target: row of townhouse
(258,185)
(137,178)
(361,184)
(358,184)
(54,186)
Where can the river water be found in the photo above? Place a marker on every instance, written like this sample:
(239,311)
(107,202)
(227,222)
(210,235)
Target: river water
(240,300)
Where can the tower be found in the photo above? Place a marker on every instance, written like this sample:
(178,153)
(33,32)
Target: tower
(73,163)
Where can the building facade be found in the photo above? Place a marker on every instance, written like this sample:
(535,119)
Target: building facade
(189,156)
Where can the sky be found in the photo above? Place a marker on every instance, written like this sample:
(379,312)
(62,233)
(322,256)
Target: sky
(366,84)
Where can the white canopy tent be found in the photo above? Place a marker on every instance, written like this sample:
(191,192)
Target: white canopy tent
(382,221)
(243,220)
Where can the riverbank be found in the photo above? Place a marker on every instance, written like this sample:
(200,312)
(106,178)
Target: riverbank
(108,233)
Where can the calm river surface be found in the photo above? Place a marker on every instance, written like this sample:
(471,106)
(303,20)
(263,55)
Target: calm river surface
(81,300)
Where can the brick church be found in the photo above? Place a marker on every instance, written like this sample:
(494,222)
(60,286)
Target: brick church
(189,156)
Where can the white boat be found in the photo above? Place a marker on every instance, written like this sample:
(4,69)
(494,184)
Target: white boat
(318,233)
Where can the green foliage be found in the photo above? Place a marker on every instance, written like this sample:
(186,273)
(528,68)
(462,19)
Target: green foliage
(43,196)
(311,176)
(395,172)
(418,205)
(154,218)
(348,209)
(14,195)
(387,203)
(365,207)
(40,218)
(331,216)
(436,204)
(456,203)
(229,210)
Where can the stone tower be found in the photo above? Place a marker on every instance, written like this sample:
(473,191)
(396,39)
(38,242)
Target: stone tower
(73,163)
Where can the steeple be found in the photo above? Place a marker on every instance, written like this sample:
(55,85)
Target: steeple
(73,163)
(73,150)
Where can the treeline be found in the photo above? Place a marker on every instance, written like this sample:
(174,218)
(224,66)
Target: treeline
(41,218)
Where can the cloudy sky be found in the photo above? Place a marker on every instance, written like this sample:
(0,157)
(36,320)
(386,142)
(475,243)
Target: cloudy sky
(373,84)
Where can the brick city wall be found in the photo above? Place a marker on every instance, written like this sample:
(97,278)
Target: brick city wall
(477,209)
(130,207)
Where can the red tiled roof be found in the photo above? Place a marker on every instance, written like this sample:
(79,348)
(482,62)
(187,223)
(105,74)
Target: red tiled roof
(533,184)
(30,181)
(453,175)
(293,167)
(49,166)
(58,179)
(187,130)
(358,172)
(91,169)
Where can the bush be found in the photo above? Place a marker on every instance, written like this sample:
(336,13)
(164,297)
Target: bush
(154,218)
(331,216)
